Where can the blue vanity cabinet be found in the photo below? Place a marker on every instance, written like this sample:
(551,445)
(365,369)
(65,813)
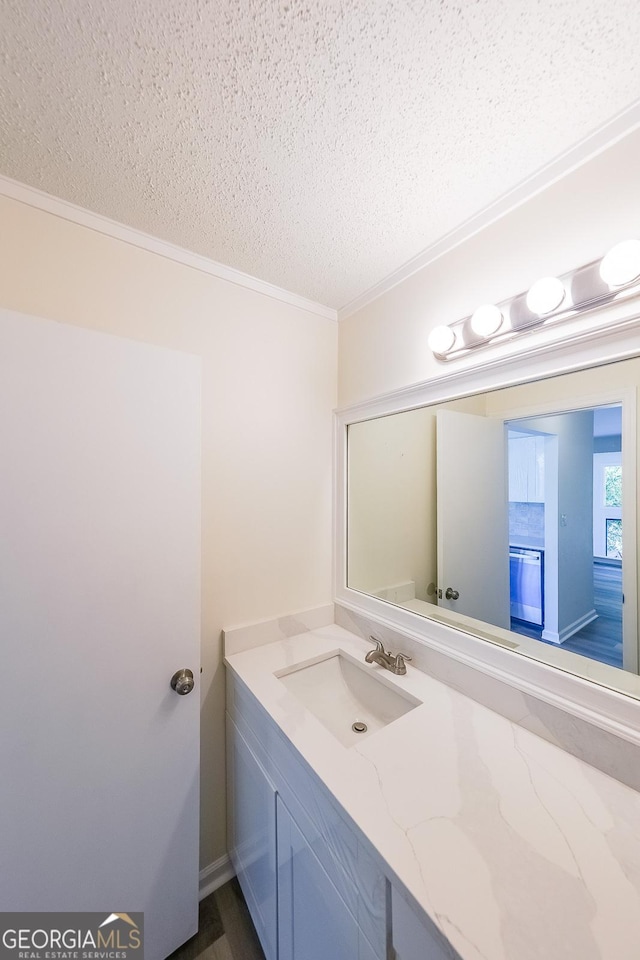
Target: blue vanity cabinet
(313,920)
(312,885)
(251,828)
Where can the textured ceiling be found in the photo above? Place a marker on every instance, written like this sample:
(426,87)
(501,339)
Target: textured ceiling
(316,144)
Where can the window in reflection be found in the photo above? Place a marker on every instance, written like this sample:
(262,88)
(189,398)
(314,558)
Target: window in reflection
(614,539)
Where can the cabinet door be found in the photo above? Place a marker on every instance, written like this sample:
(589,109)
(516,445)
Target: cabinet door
(538,470)
(526,469)
(252,836)
(518,471)
(314,923)
(415,938)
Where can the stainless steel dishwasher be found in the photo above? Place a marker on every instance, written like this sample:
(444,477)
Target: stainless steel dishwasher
(526,584)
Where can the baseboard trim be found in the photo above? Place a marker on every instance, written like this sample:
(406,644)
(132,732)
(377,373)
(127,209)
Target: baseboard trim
(213,876)
(569,631)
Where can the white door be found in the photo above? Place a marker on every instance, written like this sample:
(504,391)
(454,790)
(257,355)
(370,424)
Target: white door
(99,606)
(472,516)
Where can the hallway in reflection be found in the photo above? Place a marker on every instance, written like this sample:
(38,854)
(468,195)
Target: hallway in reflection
(602,638)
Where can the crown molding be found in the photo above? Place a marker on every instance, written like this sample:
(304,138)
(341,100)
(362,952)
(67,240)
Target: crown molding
(33,197)
(590,146)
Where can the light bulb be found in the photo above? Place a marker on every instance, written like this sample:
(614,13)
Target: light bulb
(545,296)
(441,339)
(621,264)
(486,320)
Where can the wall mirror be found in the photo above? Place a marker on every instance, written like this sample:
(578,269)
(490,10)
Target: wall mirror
(508,513)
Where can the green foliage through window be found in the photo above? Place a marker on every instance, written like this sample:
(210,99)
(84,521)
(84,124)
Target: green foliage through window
(614,538)
(613,486)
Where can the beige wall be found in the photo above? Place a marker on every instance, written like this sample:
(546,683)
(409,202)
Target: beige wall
(391,475)
(392,515)
(269,386)
(384,345)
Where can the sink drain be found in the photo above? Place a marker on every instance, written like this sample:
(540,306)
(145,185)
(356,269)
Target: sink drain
(359,727)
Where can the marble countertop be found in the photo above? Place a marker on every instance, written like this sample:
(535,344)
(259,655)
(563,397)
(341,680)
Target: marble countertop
(514,848)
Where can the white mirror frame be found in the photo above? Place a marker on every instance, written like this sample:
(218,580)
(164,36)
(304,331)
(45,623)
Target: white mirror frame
(602,695)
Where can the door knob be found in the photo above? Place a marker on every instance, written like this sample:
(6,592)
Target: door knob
(451,594)
(182,682)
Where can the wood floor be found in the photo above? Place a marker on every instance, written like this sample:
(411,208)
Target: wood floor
(602,638)
(225,929)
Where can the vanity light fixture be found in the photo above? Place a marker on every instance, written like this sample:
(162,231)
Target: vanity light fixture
(545,296)
(614,278)
(621,265)
(486,320)
(441,340)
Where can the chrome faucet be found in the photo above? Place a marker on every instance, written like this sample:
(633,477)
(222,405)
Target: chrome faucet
(387,660)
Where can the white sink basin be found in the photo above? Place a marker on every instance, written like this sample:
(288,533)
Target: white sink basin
(341,692)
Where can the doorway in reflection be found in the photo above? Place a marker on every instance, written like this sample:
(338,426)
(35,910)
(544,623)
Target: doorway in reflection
(566,567)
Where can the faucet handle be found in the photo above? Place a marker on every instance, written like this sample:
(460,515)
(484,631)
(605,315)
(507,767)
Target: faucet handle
(399,666)
(378,654)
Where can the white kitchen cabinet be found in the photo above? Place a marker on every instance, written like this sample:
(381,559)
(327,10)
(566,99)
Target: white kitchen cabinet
(526,469)
(313,920)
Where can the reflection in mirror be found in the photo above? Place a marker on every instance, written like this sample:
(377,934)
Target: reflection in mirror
(502,513)
(567,590)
